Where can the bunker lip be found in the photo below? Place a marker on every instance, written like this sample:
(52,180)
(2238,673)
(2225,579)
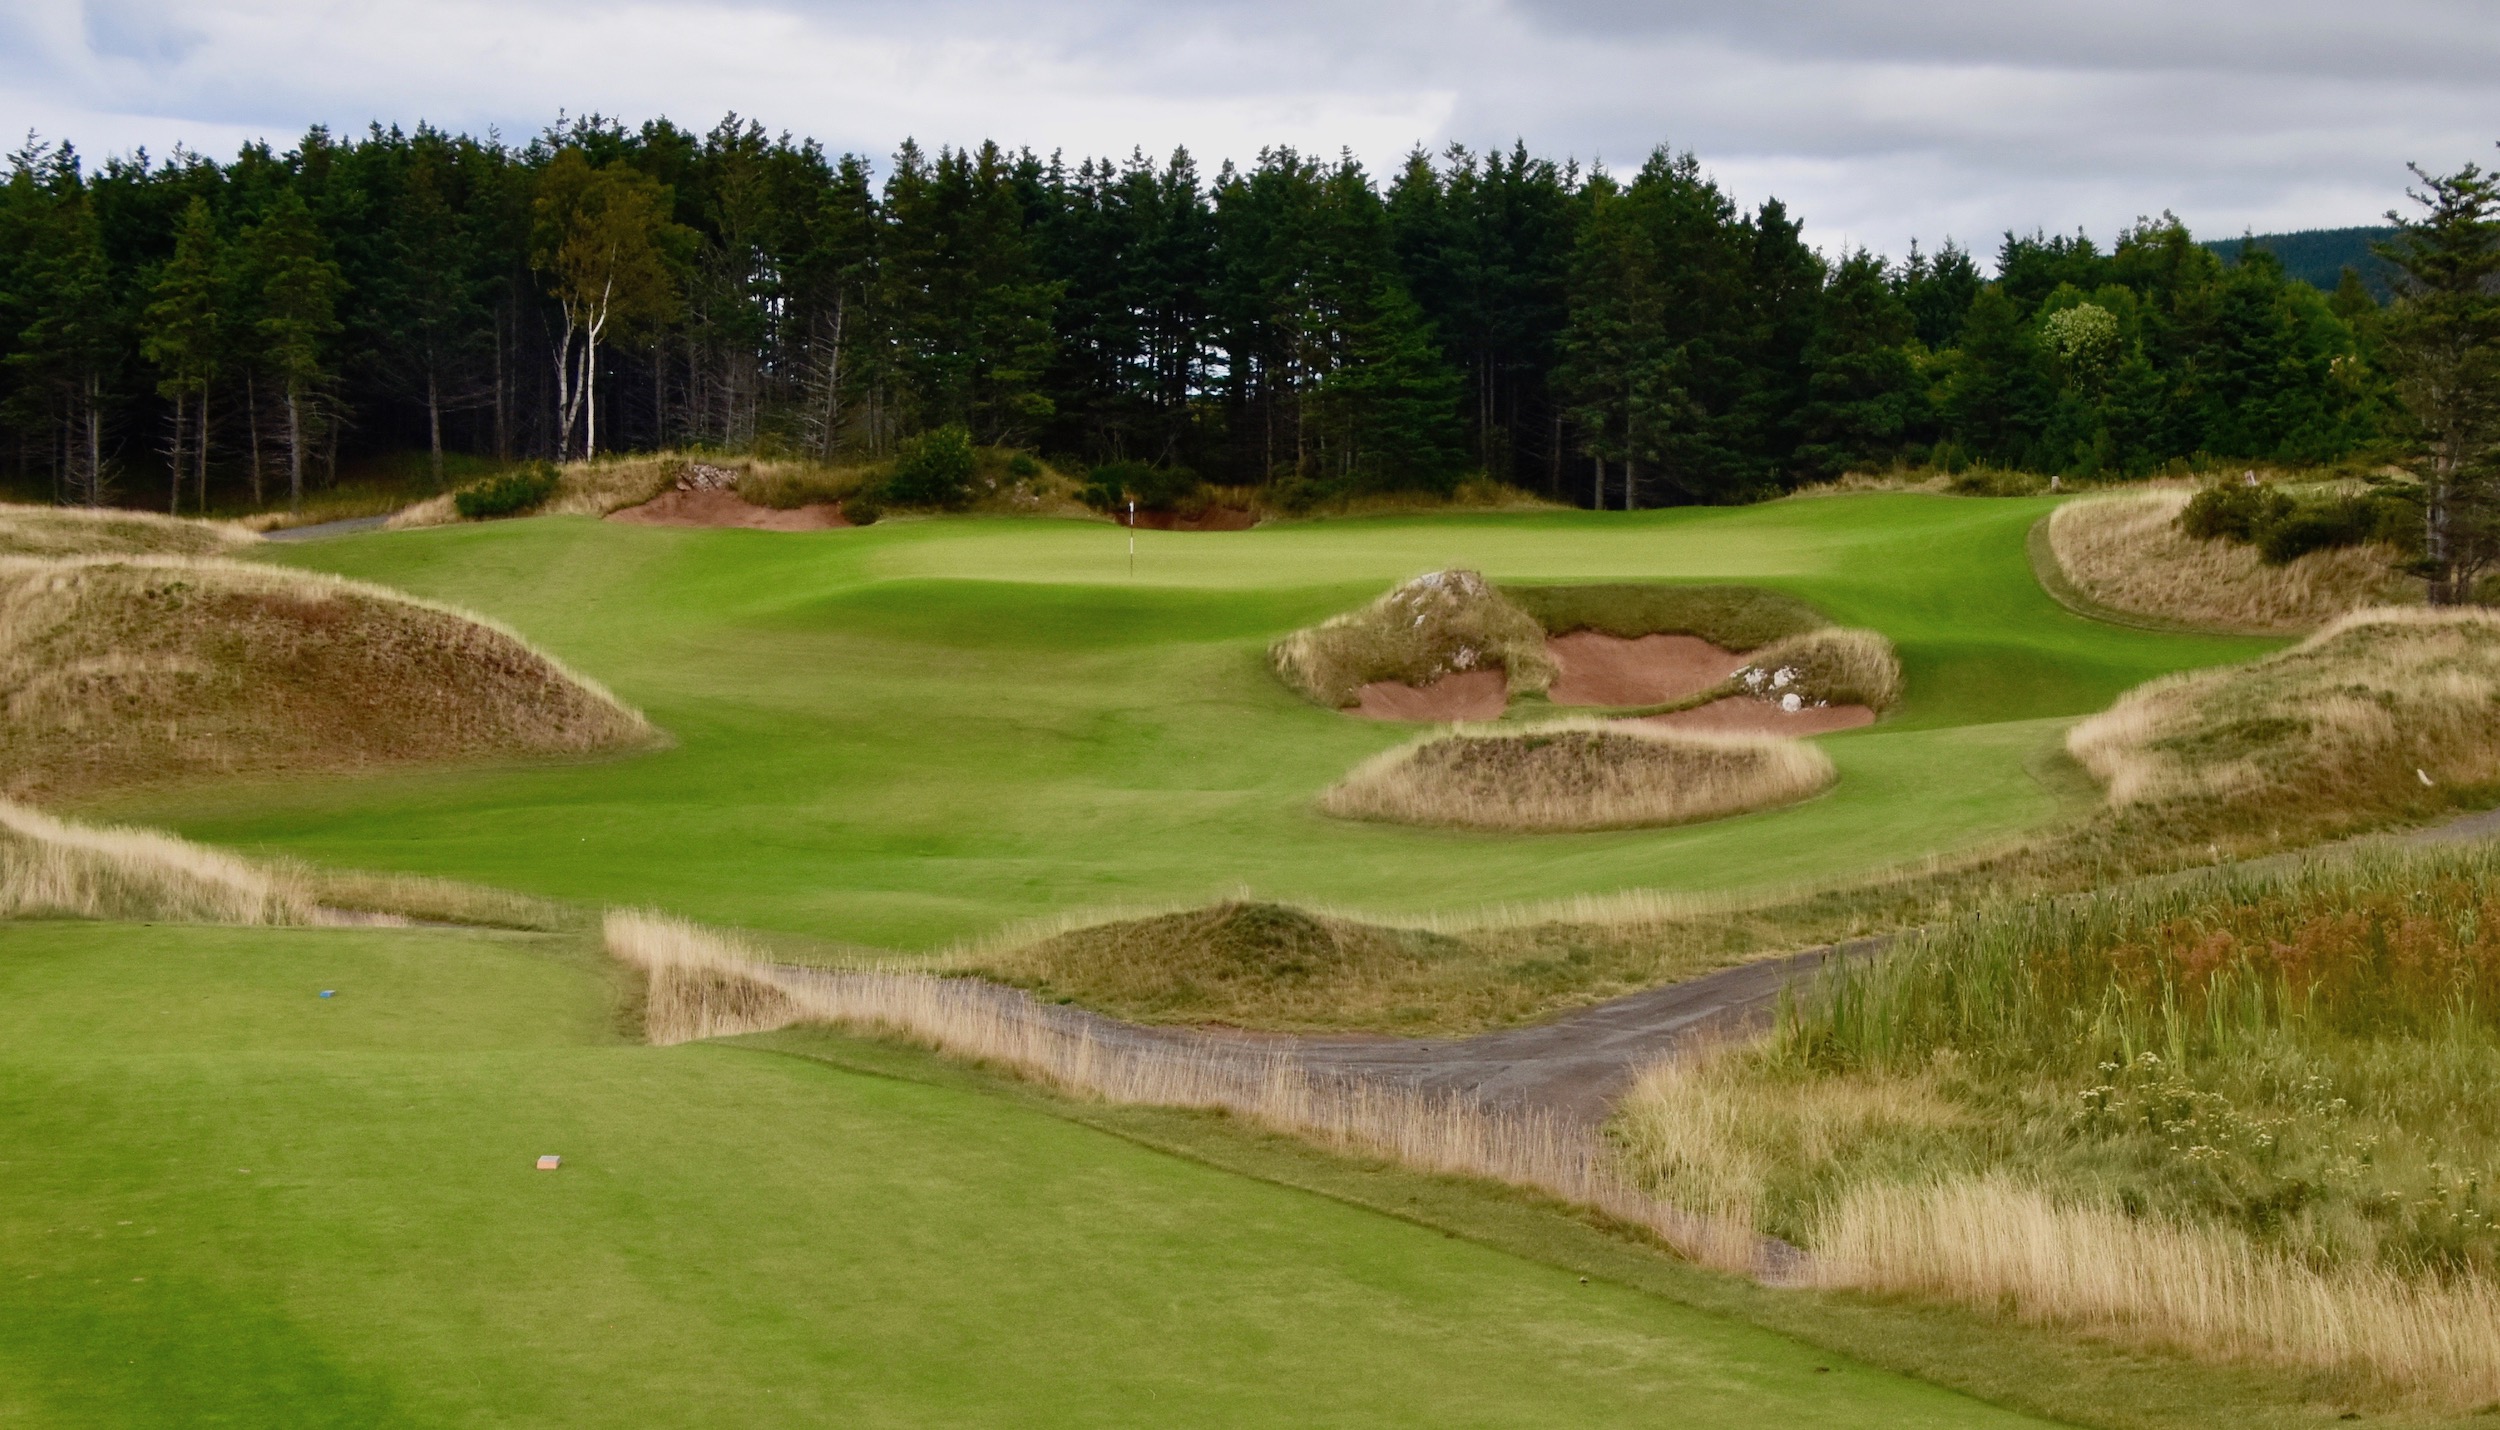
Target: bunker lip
(1467,695)
(1599,669)
(1596,669)
(1214,518)
(1746,715)
(716,507)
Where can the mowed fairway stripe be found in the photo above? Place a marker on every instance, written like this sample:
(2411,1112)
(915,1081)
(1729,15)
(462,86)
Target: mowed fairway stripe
(225,1198)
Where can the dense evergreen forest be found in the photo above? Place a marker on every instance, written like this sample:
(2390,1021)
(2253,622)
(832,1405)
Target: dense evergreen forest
(196,332)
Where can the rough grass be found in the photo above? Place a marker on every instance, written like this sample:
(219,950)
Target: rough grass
(1577,774)
(2127,553)
(2384,713)
(123,671)
(1733,618)
(1833,666)
(2245,1114)
(1434,625)
(54,868)
(703,984)
(105,531)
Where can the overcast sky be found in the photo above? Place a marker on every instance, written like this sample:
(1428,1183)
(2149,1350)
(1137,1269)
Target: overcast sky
(1876,123)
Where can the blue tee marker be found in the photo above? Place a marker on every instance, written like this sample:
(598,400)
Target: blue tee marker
(326,992)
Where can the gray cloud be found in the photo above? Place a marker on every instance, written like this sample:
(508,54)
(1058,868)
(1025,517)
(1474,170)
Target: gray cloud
(1875,123)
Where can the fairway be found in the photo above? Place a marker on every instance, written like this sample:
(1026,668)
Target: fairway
(922,731)
(226,1200)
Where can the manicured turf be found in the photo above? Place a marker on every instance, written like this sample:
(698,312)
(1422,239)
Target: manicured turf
(226,1200)
(922,730)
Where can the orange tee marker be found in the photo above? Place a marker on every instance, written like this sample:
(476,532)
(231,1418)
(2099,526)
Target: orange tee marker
(549,1163)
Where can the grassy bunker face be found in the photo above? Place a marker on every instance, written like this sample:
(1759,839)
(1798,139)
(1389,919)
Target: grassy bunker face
(1577,775)
(1438,625)
(116,672)
(2384,712)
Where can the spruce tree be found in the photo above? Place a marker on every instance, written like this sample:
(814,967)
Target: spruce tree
(2441,342)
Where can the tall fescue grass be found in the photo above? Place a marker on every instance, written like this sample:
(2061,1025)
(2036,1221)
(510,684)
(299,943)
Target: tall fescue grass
(2246,1113)
(55,868)
(1996,1243)
(1577,774)
(1437,624)
(2127,553)
(2383,712)
(1832,666)
(107,531)
(704,984)
(125,670)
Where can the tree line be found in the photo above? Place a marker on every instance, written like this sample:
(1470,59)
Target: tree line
(193,332)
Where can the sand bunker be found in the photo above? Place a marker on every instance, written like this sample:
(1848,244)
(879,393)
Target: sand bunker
(1599,669)
(715,506)
(1746,715)
(1468,695)
(1214,518)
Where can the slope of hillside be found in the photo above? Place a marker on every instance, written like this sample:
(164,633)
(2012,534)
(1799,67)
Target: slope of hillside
(118,671)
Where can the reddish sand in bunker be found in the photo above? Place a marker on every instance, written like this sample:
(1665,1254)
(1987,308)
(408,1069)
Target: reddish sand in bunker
(1468,695)
(1745,715)
(715,507)
(1599,669)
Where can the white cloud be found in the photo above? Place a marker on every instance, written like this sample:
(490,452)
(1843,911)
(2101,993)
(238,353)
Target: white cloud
(1874,123)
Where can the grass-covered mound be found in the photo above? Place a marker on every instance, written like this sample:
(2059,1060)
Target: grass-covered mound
(1733,618)
(1833,666)
(1440,623)
(1215,962)
(116,672)
(106,531)
(1577,774)
(2128,554)
(2384,713)
(2247,1115)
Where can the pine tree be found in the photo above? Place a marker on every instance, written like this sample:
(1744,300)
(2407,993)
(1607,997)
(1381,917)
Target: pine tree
(2441,341)
(298,292)
(185,335)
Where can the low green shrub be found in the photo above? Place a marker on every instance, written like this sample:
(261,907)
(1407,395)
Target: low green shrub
(514,492)
(933,469)
(1152,487)
(2284,527)
(862,510)
(1997,482)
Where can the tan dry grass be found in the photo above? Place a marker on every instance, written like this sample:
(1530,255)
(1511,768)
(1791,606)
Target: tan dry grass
(703,984)
(1998,1245)
(106,531)
(1577,774)
(2128,554)
(2376,713)
(1437,624)
(116,671)
(56,868)
(1835,666)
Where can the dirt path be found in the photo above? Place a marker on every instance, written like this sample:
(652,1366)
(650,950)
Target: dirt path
(323,529)
(1574,1065)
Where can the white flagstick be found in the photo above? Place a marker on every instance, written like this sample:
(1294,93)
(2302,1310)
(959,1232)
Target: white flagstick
(1132,536)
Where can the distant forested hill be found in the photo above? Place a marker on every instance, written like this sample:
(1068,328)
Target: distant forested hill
(2319,255)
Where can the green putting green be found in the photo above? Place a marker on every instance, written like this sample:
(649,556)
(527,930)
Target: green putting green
(922,730)
(225,1199)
